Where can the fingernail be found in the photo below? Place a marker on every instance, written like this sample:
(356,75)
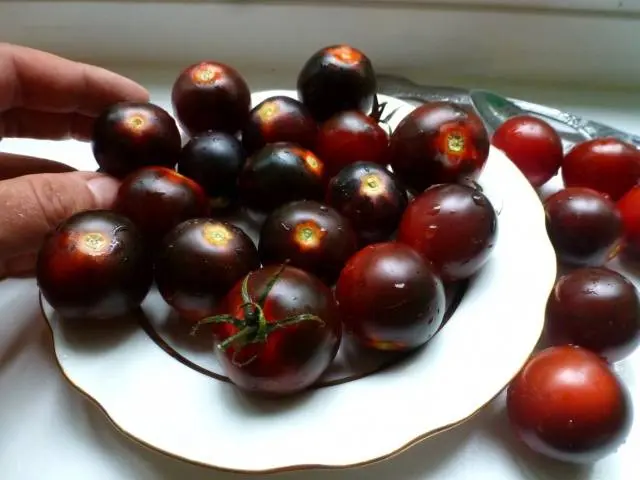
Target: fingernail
(104,189)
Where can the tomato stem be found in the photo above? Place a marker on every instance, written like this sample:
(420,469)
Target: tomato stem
(377,109)
(253,328)
(217,319)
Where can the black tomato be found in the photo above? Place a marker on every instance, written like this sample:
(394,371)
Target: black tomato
(94,266)
(130,135)
(584,226)
(214,160)
(279,119)
(309,235)
(390,298)
(566,403)
(157,199)
(211,96)
(335,79)
(349,137)
(453,226)
(371,198)
(280,173)
(199,262)
(595,308)
(281,332)
(439,142)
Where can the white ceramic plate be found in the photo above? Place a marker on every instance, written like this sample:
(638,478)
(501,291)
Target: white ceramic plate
(179,408)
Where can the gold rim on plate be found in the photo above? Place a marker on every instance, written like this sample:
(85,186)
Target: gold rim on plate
(292,468)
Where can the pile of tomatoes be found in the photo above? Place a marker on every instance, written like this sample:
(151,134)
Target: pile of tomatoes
(345,230)
(567,402)
(360,233)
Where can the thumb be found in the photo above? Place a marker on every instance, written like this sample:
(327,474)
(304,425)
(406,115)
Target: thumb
(33,205)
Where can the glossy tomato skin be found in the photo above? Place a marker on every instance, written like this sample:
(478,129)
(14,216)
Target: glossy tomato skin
(351,136)
(157,199)
(583,225)
(390,298)
(629,208)
(595,308)
(199,261)
(439,142)
(335,79)
(214,160)
(567,404)
(211,96)
(309,235)
(280,173)
(370,197)
(94,266)
(130,135)
(293,358)
(279,119)
(532,145)
(607,165)
(453,226)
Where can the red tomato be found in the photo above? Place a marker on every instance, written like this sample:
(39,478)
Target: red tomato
(532,145)
(390,298)
(629,207)
(281,332)
(608,165)
(567,404)
(351,136)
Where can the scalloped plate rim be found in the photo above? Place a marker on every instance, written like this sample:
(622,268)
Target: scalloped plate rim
(550,274)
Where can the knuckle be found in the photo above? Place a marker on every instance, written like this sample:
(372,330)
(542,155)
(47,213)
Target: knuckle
(54,201)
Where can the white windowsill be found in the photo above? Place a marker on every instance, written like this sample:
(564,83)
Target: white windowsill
(442,40)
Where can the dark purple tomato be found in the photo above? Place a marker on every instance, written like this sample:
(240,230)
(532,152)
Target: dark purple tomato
(130,135)
(280,173)
(439,142)
(157,199)
(214,160)
(349,137)
(453,226)
(309,235)
(595,308)
(607,165)
(279,119)
(94,266)
(390,298)
(211,96)
(584,226)
(335,79)
(300,325)
(199,262)
(566,403)
(370,197)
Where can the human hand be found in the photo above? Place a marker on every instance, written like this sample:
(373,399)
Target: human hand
(43,96)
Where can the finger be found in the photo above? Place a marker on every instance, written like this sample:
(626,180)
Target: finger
(23,123)
(12,166)
(38,80)
(33,205)
(19,266)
